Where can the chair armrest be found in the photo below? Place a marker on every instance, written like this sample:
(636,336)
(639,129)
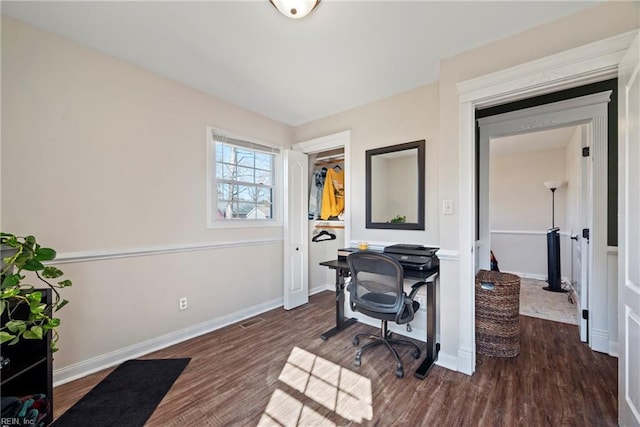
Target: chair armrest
(408,302)
(415,287)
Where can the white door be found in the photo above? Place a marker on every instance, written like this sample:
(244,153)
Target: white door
(296,237)
(629,237)
(584,248)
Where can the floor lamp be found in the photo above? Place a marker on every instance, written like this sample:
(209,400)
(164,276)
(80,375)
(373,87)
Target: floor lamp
(553,244)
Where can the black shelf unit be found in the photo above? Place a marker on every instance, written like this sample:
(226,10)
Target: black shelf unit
(30,369)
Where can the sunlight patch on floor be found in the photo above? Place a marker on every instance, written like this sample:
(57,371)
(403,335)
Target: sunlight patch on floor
(344,392)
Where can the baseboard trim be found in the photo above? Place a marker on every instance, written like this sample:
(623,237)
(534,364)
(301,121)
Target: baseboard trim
(321,288)
(613,349)
(600,341)
(465,361)
(447,361)
(95,364)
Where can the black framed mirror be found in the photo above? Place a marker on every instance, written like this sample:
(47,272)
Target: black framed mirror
(395,182)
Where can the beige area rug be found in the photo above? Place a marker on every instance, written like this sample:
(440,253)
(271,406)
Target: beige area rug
(536,302)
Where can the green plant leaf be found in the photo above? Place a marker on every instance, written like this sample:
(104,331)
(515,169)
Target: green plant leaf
(44,254)
(16,326)
(5,336)
(61,304)
(53,322)
(3,305)
(11,280)
(35,333)
(51,272)
(33,265)
(34,297)
(64,283)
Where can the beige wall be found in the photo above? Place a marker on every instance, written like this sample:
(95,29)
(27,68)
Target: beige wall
(409,116)
(518,198)
(520,209)
(99,155)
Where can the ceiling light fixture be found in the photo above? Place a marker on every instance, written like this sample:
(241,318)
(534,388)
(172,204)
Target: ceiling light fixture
(295,9)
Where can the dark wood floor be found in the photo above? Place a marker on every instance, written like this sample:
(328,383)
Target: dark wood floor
(240,377)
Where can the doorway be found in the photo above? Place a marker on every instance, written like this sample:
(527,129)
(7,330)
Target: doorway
(318,278)
(523,209)
(590,111)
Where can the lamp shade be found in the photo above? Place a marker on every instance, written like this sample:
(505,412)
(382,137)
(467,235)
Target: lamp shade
(552,185)
(295,9)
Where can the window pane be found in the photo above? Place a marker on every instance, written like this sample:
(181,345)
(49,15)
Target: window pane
(246,193)
(262,195)
(266,210)
(263,177)
(244,174)
(228,153)
(264,161)
(244,157)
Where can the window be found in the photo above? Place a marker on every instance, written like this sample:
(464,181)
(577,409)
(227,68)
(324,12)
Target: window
(241,180)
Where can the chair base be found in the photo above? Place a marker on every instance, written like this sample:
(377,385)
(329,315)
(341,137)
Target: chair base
(384,338)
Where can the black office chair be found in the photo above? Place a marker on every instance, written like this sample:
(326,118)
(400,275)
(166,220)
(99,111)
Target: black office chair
(377,290)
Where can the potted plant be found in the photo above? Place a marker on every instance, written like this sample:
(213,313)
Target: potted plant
(25,314)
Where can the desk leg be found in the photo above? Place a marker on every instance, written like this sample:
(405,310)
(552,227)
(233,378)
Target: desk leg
(432,347)
(341,322)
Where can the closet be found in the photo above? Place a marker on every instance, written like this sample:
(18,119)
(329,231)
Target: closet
(326,214)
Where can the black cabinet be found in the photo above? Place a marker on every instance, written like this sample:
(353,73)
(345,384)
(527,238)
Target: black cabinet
(27,378)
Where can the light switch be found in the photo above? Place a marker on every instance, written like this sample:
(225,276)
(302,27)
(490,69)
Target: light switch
(447,207)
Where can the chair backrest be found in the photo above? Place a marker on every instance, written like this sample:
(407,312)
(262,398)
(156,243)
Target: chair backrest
(377,282)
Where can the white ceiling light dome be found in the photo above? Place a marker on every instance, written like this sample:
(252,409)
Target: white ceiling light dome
(295,9)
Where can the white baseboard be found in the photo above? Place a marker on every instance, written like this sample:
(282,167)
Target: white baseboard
(447,361)
(95,364)
(322,288)
(465,361)
(600,341)
(613,348)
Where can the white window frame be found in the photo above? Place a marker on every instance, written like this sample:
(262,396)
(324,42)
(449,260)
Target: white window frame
(212,187)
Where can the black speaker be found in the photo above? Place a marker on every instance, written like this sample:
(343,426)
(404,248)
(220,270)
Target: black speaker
(553,261)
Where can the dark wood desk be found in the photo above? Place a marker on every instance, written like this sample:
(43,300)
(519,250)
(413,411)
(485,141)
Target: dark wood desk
(429,276)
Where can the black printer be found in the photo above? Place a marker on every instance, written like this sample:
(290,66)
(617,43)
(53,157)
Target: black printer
(414,257)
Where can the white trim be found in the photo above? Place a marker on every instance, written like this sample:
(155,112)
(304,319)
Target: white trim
(599,339)
(528,232)
(321,288)
(72,257)
(323,143)
(448,255)
(329,142)
(584,64)
(86,367)
(447,361)
(571,68)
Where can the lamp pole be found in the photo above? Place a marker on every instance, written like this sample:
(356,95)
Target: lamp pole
(553,207)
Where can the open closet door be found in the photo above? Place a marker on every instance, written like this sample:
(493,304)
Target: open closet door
(296,233)
(629,237)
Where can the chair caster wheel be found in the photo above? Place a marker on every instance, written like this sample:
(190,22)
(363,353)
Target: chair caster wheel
(416,354)
(357,362)
(355,341)
(409,328)
(399,372)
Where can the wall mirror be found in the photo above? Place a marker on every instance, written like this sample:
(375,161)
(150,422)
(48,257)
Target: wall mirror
(395,186)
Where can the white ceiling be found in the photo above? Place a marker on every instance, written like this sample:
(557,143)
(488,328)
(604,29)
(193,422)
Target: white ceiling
(345,54)
(535,141)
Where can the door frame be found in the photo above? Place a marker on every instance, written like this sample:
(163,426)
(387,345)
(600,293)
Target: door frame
(586,64)
(590,110)
(331,142)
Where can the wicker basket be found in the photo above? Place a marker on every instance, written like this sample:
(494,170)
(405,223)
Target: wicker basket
(497,314)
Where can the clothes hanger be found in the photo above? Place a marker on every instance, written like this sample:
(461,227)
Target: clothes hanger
(337,168)
(330,236)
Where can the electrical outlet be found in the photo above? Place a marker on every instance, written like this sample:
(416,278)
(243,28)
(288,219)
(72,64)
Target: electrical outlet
(183,303)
